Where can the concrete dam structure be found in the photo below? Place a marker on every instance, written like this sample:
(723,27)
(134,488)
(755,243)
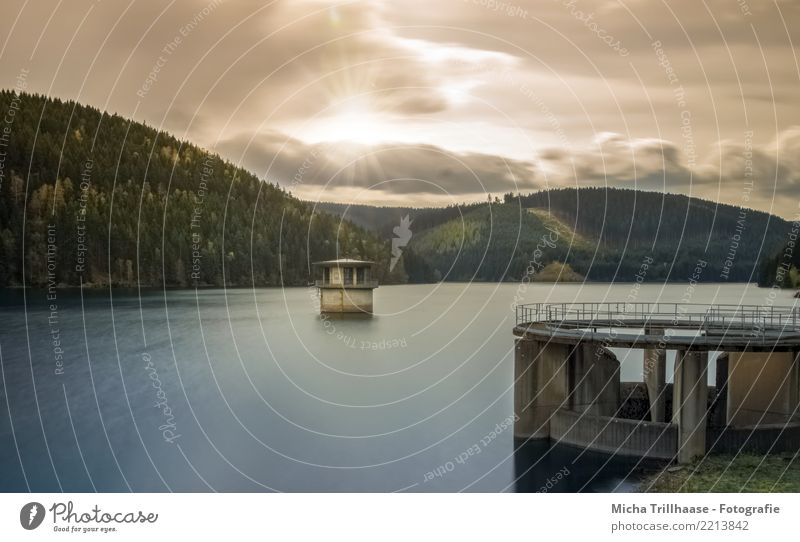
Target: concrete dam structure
(568,387)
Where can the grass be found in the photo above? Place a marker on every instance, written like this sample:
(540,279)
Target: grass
(779,473)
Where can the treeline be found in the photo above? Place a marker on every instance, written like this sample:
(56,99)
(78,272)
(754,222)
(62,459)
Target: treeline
(92,198)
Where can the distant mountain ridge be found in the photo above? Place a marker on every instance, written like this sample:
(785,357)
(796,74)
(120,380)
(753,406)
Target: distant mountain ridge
(605,234)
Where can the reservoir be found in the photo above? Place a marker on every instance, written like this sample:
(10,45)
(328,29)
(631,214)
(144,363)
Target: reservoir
(254,390)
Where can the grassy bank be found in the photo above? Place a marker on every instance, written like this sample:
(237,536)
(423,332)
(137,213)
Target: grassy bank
(729,474)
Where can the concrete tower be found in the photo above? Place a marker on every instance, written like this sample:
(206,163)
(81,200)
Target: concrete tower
(346,286)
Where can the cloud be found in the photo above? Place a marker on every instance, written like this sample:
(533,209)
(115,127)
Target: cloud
(773,168)
(450,80)
(613,160)
(393,169)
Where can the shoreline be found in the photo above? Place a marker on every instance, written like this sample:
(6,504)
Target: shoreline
(97,287)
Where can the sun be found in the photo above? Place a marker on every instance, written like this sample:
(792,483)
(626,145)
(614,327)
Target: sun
(351,120)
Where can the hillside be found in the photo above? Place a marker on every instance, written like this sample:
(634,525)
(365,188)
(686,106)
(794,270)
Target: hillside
(603,235)
(675,230)
(492,243)
(92,198)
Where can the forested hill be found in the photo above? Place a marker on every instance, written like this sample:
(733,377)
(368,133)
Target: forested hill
(616,217)
(92,198)
(669,227)
(604,234)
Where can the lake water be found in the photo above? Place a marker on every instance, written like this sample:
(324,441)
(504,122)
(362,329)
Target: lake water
(250,390)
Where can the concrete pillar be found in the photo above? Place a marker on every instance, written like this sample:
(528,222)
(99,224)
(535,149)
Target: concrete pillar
(794,387)
(762,388)
(540,385)
(654,374)
(689,403)
(719,408)
(525,352)
(594,383)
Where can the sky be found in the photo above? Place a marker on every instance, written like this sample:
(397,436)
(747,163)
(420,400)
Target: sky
(429,103)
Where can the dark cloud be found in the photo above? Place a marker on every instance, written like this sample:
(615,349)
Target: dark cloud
(746,173)
(391,169)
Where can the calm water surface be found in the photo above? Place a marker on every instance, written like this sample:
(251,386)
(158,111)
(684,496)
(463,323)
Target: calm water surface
(250,390)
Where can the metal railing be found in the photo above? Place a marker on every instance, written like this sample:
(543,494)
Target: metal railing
(720,318)
(360,284)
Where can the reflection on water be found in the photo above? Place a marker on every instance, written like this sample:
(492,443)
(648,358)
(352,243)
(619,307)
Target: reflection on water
(244,390)
(542,467)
